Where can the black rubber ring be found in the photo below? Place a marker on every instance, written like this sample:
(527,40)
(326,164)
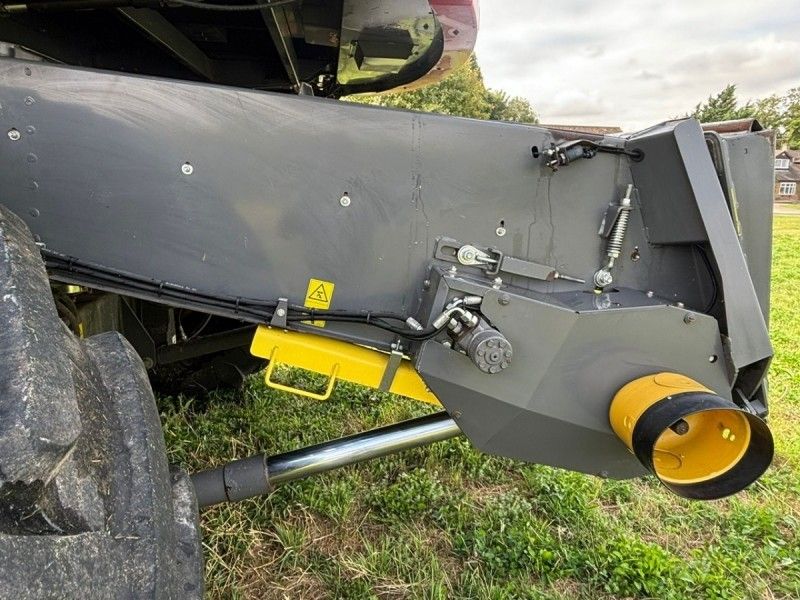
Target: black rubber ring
(658,417)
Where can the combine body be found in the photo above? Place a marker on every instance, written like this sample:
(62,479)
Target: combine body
(593,303)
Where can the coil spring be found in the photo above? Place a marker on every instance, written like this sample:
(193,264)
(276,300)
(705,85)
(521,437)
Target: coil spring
(618,233)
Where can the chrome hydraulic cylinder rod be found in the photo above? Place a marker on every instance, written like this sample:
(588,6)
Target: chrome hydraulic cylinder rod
(258,475)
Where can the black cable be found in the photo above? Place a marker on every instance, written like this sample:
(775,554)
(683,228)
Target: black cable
(345,313)
(635,155)
(713,277)
(244,307)
(89,276)
(410,334)
(73,265)
(231,7)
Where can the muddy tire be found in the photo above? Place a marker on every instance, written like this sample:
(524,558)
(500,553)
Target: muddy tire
(88,505)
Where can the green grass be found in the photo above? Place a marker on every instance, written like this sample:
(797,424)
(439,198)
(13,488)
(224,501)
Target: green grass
(449,522)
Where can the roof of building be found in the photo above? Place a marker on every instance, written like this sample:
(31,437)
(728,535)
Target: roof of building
(596,129)
(734,126)
(793,172)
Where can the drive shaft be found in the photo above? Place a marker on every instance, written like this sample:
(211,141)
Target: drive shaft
(259,474)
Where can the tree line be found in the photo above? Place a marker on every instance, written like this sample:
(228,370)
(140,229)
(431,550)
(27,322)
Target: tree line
(781,113)
(465,94)
(462,94)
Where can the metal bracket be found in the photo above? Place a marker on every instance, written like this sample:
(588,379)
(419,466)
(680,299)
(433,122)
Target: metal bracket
(469,255)
(279,316)
(395,360)
(494,262)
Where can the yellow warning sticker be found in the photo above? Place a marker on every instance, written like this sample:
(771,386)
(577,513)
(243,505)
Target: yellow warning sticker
(319,295)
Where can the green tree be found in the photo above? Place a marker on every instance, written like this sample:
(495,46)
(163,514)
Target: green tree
(769,111)
(462,94)
(504,108)
(790,130)
(723,106)
(781,113)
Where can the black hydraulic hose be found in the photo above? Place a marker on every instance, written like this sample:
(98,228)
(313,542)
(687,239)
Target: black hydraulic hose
(260,311)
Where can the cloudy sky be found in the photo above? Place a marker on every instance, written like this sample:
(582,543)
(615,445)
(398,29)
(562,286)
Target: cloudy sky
(634,63)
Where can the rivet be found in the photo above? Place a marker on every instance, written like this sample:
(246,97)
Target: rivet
(504,300)
(14,134)
(29,100)
(500,231)
(187,168)
(689,318)
(345,201)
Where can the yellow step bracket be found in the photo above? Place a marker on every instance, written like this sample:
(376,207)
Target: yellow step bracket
(337,360)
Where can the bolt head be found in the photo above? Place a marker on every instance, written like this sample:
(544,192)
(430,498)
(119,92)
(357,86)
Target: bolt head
(187,168)
(452,270)
(14,134)
(650,293)
(344,201)
(504,300)
(603,278)
(281,312)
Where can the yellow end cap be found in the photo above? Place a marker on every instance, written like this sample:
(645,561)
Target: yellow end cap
(640,394)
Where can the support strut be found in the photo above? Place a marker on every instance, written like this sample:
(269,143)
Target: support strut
(258,475)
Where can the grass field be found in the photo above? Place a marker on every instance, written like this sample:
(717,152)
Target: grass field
(448,522)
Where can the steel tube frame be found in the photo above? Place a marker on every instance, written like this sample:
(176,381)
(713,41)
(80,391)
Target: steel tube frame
(258,475)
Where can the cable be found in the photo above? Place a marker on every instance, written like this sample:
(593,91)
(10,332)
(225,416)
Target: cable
(635,155)
(712,276)
(259,311)
(231,7)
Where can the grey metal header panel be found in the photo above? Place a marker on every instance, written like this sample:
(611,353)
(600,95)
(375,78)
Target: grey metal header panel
(260,213)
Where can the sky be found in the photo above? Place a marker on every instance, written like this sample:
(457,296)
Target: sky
(635,63)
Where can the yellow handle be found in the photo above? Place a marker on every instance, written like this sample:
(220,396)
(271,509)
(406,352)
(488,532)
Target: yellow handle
(273,360)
